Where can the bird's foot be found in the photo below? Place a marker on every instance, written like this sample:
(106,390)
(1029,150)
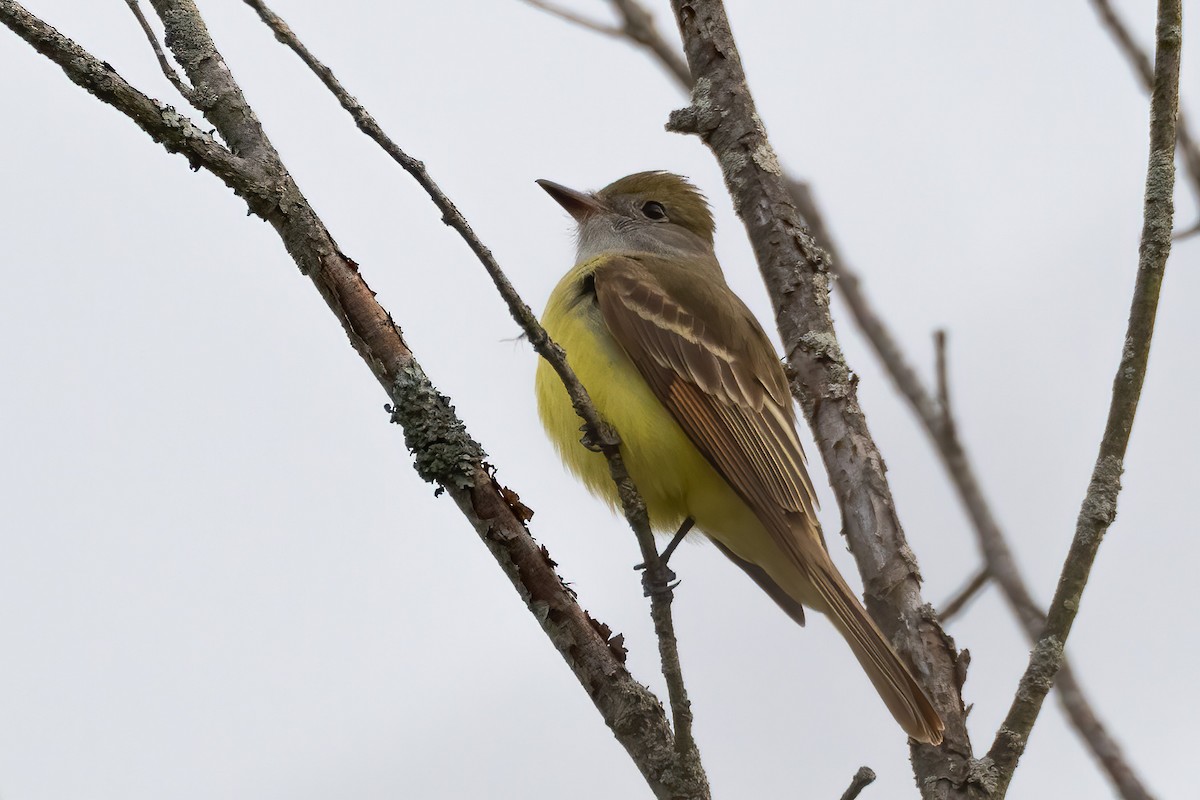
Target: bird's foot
(588,440)
(664,582)
(661,584)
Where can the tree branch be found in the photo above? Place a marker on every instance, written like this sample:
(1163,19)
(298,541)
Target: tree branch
(175,132)
(795,269)
(1189,151)
(958,601)
(443,451)
(1099,507)
(575,19)
(216,93)
(167,70)
(637,25)
(600,432)
(942,377)
(861,780)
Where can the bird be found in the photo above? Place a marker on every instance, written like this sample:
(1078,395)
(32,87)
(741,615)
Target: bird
(679,366)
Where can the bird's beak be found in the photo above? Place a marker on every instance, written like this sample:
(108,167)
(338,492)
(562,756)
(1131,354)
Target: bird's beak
(578,204)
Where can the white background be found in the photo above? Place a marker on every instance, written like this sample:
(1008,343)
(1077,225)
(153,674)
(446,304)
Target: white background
(219,575)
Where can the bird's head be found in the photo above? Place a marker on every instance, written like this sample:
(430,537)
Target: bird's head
(650,212)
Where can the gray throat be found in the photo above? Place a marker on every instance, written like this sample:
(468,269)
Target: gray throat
(599,235)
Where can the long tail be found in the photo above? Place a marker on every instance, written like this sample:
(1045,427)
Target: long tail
(896,686)
(817,583)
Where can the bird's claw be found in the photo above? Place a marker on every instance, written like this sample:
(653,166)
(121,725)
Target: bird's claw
(664,582)
(661,584)
(587,440)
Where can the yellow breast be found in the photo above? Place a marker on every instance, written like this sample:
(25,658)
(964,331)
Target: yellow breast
(656,449)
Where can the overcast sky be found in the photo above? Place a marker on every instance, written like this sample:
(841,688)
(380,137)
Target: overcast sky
(220,576)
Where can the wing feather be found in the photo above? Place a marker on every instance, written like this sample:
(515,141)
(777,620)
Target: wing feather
(721,381)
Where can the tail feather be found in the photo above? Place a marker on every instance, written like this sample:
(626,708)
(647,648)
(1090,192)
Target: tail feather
(892,679)
(787,558)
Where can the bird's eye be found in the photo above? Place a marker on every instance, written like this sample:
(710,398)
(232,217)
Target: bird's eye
(654,211)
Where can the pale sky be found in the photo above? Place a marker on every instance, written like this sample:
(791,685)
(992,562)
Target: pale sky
(221,576)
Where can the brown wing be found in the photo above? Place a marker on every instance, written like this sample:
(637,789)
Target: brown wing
(708,361)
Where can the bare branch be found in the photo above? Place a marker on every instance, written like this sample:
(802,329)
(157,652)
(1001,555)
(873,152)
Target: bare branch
(443,451)
(600,432)
(1186,233)
(942,380)
(861,780)
(796,272)
(1188,150)
(958,601)
(163,63)
(575,19)
(637,25)
(161,122)
(1099,507)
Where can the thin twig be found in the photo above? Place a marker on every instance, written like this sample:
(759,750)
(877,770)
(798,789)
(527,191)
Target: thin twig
(942,378)
(957,601)
(429,421)
(163,63)
(600,432)
(1188,150)
(1186,233)
(964,595)
(1099,506)
(861,780)
(575,19)
(637,25)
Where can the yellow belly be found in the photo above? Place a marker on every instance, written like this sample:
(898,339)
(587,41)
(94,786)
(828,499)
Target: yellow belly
(623,399)
(674,478)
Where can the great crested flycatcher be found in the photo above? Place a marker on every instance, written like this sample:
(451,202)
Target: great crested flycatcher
(678,364)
